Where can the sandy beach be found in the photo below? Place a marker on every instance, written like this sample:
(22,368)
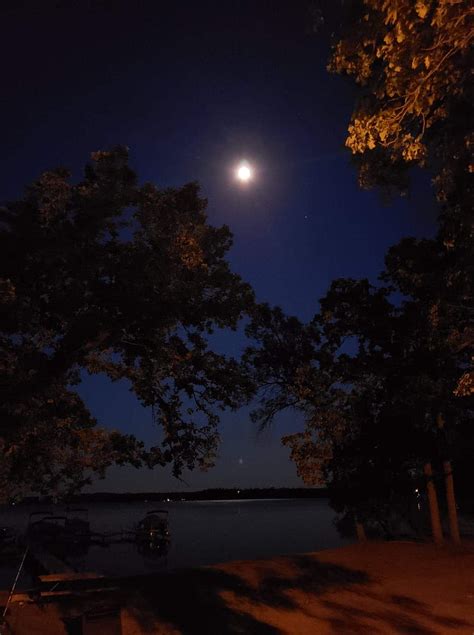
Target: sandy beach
(382,588)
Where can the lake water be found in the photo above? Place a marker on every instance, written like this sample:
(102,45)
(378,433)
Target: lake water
(202,533)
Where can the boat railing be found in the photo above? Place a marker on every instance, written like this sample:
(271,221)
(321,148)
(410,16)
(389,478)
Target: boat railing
(43,513)
(77,510)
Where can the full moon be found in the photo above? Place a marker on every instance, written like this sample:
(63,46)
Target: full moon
(244,173)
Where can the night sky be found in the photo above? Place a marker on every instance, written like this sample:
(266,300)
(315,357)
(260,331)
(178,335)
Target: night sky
(192,88)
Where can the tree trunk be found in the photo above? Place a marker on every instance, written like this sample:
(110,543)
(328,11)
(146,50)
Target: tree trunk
(360,531)
(433,503)
(451,500)
(450,496)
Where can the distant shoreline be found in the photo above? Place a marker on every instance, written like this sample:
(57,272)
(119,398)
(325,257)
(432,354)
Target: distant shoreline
(198,495)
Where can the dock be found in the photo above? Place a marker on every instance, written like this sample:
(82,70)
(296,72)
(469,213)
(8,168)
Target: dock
(49,562)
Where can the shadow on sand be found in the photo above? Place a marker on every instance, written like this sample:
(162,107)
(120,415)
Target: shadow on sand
(216,602)
(196,601)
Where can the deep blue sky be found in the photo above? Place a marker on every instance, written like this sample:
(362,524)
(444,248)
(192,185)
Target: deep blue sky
(192,88)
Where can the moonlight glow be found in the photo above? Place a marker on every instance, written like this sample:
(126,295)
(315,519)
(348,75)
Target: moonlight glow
(244,172)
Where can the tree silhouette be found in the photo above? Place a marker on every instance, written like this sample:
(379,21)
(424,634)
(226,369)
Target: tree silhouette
(108,276)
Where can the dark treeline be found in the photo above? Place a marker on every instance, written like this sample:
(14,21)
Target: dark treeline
(200,495)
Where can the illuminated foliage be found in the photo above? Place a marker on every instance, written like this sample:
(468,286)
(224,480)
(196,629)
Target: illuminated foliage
(465,387)
(413,61)
(312,450)
(413,56)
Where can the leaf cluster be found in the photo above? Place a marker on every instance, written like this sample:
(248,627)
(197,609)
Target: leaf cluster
(413,61)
